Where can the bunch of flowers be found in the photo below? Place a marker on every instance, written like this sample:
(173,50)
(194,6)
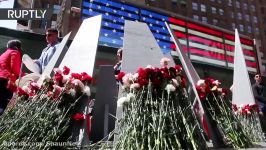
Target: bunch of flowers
(42,113)
(156,111)
(214,98)
(248,116)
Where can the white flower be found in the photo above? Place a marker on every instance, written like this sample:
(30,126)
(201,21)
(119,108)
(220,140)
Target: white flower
(128,79)
(175,82)
(135,76)
(78,84)
(65,79)
(87,91)
(241,106)
(216,82)
(72,92)
(170,88)
(134,86)
(165,61)
(201,82)
(57,70)
(150,66)
(26,89)
(121,101)
(131,96)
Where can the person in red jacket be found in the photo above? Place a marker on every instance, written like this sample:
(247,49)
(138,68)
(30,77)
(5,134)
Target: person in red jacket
(10,63)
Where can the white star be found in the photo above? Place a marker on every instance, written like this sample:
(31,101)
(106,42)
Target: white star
(163,19)
(129,14)
(105,44)
(114,41)
(144,18)
(114,30)
(164,46)
(122,17)
(150,15)
(114,21)
(105,34)
(121,38)
(157,22)
(106,24)
(90,10)
(122,27)
(99,7)
(157,31)
(107,4)
(122,8)
(164,37)
(136,12)
(158,40)
(163,28)
(150,24)
(107,14)
(114,11)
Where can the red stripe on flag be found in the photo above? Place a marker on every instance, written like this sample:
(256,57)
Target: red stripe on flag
(177,21)
(180,34)
(246,51)
(207,53)
(204,29)
(184,47)
(206,42)
(242,40)
(248,63)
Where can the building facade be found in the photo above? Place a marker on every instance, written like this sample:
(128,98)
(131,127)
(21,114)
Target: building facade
(248,16)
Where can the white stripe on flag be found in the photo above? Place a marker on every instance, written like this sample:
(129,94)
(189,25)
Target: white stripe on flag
(246,57)
(175,27)
(205,47)
(207,60)
(243,45)
(211,37)
(231,65)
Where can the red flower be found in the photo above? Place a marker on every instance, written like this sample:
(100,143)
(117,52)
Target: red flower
(21,92)
(78,116)
(142,73)
(66,70)
(165,73)
(178,68)
(183,82)
(58,77)
(120,76)
(86,78)
(234,107)
(11,86)
(76,76)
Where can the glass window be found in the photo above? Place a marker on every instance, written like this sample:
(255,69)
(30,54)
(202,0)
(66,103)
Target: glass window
(249,29)
(241,28)
(215,21)
(257,30)
(204,19)
(229,2)
(203,8)
(194,6)
(232,14)
(196,17)
(237,4)
(255,19)
(233,26)
(239,16)
(252,7)
(245,6)
(213,10)
(247,17)
(221,11)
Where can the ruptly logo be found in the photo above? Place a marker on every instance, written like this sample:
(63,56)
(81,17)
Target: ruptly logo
(25,14)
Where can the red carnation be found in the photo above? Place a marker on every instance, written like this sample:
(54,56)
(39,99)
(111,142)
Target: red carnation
(66,70)
(78,116)
(178,68)
(76,76)
(120,76)
(86,78)
(21,92)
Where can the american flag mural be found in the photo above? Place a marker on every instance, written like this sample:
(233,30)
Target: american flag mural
(203,44)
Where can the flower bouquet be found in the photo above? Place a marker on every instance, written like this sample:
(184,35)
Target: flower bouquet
(248,115)
(218,106)
(39,116)
(156,111)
